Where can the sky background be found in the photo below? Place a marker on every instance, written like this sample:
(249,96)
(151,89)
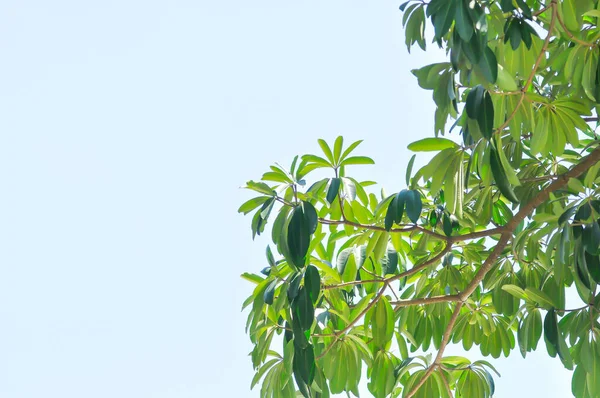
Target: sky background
(126,130)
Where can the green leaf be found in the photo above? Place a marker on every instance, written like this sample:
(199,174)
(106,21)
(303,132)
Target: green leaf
(463,24)
(586,354)
(447,225)
(304,364)
(485,117)
(303,310)
(505,81)
(442,20)
(337,149)
(570,15)
(298,237)
(432,144)
(475,101)
(270,293)
(294,287)
(326,150)
(591,238)
(382,323)
(566,215)
(350,149)
(555,339)
(507,5)
(515,291)
(391,214)
(348,189)
(357,160)
(316,159)
(508,170)
(539,297)
(414,205)
(334,188)
(310,214)
(252,204)
(513,34)
(400,204)
(488,64)
(312,283)
(409,168)
(500,176)
(260,187)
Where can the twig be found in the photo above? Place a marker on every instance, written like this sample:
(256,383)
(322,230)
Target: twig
(572,36)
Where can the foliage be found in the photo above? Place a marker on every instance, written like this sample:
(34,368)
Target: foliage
(481,246)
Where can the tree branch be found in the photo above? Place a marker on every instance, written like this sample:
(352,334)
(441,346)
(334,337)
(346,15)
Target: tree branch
(524,211)
(352,323)
(571,35)
(425,300)
(535,67)
(401,275)
(412,228)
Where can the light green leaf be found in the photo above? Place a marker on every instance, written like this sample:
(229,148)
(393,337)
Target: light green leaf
(432,144)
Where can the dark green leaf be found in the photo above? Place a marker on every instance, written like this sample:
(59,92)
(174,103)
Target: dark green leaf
(300,335)
(514,34)
(258,225)
(485,117)
(442,19)
(334,188)
(409,168)
(294,287)
(525,8)
(303,310)
(390,215)
(389,262)
(551,328)
(474,101)
(583,212)
(591,238)
(270,293)
(414,205)
(400,204)
(310,214)
(593,266)
(489,66)
(464,25)
(506,5)
(298,237)
(566,215)
(270,258)
(312,282)
(304,364)
(447,224)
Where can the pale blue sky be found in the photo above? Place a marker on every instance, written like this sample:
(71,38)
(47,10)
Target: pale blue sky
(126,128)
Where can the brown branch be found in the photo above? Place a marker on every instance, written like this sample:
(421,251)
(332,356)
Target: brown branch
(535,14)
(446,385)
(571,35)
(401,275)
(438,358)
(412,228)
(425,300)
(535,67)
(352,323)
(524,211)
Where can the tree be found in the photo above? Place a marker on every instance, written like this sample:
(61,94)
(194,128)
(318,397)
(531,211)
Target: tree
(481,246)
